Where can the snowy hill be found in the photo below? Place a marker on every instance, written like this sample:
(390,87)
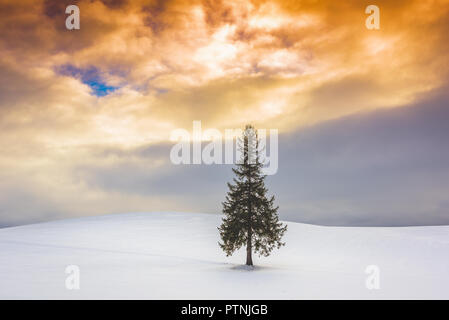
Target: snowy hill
(176,256)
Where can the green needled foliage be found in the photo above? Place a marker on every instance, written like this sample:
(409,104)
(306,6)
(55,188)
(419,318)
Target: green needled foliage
(251,218)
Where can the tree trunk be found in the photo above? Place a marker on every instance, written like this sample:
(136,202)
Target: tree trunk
(249,258)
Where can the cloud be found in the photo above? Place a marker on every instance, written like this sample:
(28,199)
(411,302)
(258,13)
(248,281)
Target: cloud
(379,168)
(301,49)
(78,108)
(386,168)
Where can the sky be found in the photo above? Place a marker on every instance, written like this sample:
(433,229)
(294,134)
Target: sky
(86,115)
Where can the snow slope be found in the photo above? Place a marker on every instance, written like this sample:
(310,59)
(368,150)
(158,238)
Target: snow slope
(176,256)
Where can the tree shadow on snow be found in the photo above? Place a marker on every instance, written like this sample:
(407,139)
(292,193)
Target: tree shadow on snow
(244,267)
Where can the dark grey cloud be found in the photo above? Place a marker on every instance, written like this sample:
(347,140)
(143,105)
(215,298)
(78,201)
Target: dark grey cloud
(22,205)
(387,167)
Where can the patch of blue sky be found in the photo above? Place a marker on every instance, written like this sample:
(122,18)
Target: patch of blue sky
(89,76)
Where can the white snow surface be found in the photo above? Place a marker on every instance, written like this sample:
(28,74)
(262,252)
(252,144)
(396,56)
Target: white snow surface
(176,256)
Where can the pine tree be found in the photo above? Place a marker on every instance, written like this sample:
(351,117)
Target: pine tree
(250,215)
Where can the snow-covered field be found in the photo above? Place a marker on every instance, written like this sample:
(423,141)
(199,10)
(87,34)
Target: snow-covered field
(176,256)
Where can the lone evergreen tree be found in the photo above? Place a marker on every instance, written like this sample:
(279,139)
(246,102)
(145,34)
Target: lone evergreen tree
(250,215)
